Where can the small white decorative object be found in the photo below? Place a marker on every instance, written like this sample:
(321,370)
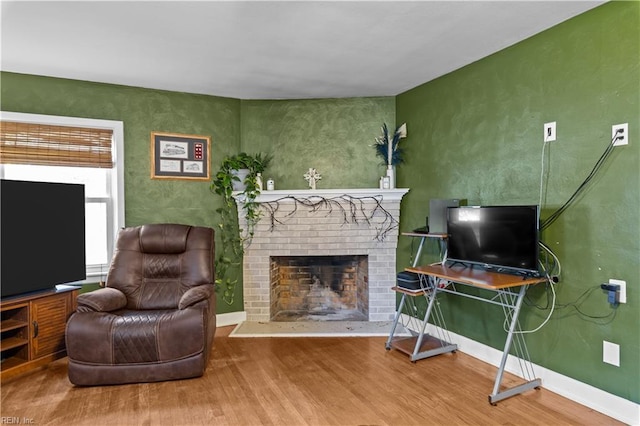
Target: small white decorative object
(271,185)
(259,181)
(312,176)
(385,183)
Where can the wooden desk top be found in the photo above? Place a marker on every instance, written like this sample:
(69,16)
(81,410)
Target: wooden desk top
(475,276)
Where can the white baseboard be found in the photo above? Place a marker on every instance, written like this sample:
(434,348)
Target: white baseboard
(231,318)
(611,405)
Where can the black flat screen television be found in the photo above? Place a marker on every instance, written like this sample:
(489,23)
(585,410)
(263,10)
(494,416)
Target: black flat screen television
(42,235)
(499,238)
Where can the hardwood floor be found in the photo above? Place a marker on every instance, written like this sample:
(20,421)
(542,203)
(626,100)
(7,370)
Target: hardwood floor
(296,381)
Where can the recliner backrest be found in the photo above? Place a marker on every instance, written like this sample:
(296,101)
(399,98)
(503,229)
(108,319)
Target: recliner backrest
(154,265)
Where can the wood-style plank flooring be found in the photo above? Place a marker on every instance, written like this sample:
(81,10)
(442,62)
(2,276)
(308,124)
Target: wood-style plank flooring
(296,381)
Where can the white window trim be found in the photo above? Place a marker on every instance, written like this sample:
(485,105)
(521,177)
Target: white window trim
(117,127)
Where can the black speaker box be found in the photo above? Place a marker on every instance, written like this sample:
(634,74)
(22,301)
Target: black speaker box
(438,213)
(408,280)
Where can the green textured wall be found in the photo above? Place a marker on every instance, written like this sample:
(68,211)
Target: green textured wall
(477,134)
(142,111)
(334,136)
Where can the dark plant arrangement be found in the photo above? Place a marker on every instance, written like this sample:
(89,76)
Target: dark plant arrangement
(387,146)
(233,239)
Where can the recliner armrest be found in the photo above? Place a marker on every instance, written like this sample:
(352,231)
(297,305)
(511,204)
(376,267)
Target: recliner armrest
(195,295)
(102,300)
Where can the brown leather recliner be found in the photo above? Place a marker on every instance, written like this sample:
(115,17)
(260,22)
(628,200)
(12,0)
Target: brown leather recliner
(155,319)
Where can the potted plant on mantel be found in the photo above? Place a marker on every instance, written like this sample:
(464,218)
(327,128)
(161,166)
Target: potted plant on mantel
(238,173)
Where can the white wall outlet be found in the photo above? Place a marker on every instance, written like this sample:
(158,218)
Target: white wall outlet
(549,132)
(611,353)
(621,134)
(622,293)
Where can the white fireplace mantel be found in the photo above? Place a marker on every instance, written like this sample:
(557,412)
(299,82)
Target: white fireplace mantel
(316,232)
(269,196)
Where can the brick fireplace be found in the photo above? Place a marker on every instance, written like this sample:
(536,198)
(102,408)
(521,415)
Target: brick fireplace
(323,235)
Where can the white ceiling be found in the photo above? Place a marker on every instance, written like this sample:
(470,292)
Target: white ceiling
(267,49)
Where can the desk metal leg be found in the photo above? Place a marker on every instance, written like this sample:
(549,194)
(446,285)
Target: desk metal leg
(415,356)
(441,249)
(436,345)
(420,345)
(395,321)
(496,395)
(418,252)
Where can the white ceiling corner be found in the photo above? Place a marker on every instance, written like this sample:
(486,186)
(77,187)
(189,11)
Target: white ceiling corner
(266,49)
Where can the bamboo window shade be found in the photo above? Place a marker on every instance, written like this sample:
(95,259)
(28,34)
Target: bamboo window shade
(51,145)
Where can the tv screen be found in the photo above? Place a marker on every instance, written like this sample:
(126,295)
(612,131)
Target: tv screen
(499,238)
(42,235)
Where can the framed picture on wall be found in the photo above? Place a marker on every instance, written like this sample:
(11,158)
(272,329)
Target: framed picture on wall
(176,156)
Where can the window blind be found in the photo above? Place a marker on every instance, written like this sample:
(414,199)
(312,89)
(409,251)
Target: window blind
(42,144)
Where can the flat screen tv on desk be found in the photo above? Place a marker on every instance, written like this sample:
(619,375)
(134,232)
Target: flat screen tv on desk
(499,238)
(42,235)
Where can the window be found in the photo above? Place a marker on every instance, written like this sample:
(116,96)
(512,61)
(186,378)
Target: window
(104,189)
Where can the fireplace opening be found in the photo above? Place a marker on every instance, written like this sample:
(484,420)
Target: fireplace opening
(319,288)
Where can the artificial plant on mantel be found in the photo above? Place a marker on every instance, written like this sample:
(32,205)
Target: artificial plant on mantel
(233,239)
(388,148)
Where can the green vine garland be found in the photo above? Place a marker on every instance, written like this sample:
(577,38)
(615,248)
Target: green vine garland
(233,239)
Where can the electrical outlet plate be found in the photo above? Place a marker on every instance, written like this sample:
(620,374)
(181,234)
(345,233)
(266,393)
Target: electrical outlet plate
(622,294)
(549,132)
(624,132)
(611,353)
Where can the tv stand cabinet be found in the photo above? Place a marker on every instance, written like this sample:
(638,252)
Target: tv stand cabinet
(33,329)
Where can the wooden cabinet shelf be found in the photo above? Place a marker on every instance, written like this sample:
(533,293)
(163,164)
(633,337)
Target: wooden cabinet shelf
(429,346)
(13,342)
(12,324)
(33,329)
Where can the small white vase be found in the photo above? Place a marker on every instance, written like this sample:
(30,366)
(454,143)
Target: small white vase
(391,173)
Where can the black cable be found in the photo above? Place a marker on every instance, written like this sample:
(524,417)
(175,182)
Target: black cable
(609,317)
(529,302)
(548,221)
(579,300)
(593,172)
(576,305)
(549,261)
(595,169)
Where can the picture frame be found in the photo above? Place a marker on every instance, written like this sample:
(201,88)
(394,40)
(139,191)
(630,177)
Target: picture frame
(178,156)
